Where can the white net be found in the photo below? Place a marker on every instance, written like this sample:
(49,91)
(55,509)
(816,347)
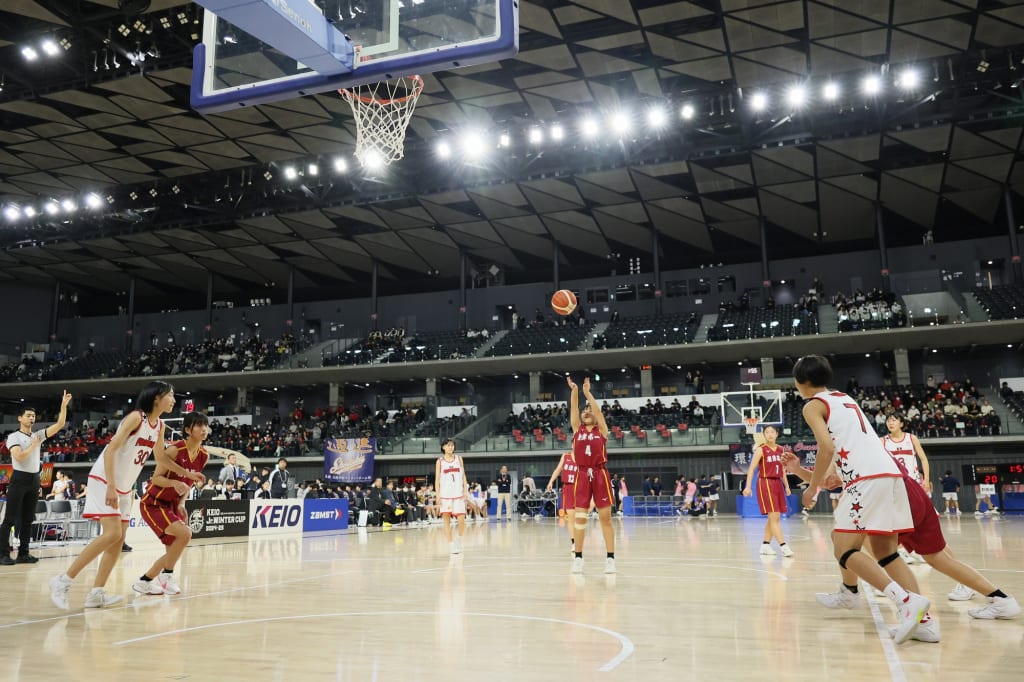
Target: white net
(382,112)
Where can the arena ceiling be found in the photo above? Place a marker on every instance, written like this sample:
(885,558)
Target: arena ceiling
(184,195)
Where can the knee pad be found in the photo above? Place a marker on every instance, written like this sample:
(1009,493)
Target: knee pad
(846,556)
(580,521)
(889,559)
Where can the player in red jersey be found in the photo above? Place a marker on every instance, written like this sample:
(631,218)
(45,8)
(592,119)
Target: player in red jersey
(590,452)
(163,505)
(772,489)
(567,468)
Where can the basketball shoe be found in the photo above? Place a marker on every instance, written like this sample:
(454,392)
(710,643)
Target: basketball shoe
(766,550)
(998,607)
(98,598)
(909,612)
(169,584)
(150,587)
(961,593)
(843,599)
(786,551)
(60,585)
(577,564)
(927,631)
(609,565)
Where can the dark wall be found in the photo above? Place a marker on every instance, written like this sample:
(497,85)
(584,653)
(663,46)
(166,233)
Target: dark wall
(33,307)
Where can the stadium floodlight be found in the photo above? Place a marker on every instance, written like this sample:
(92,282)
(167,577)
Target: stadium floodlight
(340,165)
(759,101)
(796,96)
(313,169)
(830,91)
(290,173)
(909,79)
(473,144)
(535,136)
(69,205)
(871,85)
(620,123)
(443,150)
(93,201)
(50,47)
(51,208)
(29,211)
(557,133)
(504,140)
(11,212)
(589,128)
(687,112)
(372,160)
(29,53)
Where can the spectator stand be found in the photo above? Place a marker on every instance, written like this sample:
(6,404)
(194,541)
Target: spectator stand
(1004,302)
(875,309)
(947,409)
(649,330)
(763,323)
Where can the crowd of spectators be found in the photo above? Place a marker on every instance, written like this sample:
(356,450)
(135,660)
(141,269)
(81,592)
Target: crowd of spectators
(872,310)
(231,354)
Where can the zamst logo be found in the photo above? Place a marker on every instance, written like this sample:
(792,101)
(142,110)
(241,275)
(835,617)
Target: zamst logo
(277,516)
(323,515)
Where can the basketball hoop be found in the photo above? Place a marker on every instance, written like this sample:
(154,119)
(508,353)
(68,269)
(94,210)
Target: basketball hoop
(751,424)
(382,112)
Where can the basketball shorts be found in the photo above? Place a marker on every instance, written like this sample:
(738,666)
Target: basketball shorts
(568,497)
(159,518)
(592,484)
(949,496)
(96,505)
(771,495)
(456,506)
(926,538)
(878,506)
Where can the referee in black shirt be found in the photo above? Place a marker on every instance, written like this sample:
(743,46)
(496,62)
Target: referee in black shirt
(23,491)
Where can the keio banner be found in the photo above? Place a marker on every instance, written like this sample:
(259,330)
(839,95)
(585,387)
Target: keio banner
(349,460)
(742,453)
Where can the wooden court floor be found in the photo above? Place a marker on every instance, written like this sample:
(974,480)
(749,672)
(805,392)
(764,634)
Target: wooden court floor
(692,599)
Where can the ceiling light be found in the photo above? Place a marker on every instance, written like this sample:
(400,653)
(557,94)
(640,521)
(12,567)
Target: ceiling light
(687,112)
(340,165)
(557,133)
(29,211)
(620,123)
(93,200)
(796,96)
(504,140)
(51,208)
(443,150)
(759,101)
(472,144)
(290,173)
(152,192)
(313,169)
(50,47)
(69,206)
(589,128)
(29,53)
(656,117)
(909,79)
(871,85)
(11,212)
(535,136)
(372,160)
(830,91)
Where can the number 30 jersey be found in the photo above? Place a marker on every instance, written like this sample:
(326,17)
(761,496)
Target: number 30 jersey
(130,457)
(859,454)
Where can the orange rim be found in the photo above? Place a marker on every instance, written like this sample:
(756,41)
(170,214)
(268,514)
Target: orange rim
(417,89)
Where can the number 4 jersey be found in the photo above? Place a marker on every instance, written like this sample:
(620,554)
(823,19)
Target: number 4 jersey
(129,457)
(859,454)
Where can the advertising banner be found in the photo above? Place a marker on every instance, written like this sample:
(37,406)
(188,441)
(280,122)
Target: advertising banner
(324,515)
(740,454)
(217,518)
(45,475)
(349,460)
(275,517)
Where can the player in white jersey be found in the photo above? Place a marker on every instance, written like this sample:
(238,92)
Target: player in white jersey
(452,491)
(109,493)
(907,448)
(875,500)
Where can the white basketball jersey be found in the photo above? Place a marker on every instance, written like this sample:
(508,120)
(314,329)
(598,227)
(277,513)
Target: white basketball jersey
(130,457)
(858,452)
(903,450)
(452,485)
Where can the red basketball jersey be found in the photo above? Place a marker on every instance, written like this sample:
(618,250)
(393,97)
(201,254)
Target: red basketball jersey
(569,470)
(157,495)
(771,462)
(589,448)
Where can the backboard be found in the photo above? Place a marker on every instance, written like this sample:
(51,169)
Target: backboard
(739,405)
(385,39)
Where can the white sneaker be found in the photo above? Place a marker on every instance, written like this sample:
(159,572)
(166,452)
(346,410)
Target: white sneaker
(786,551)
(766,550)
(999,607)
(958,512)
(804,513)
(961,593)
(905,555)
(577,564)
(59,588)
(843,599)
(98,598)
(910,614)
(453,548)
(609,565)
(458,545)
(169,584)
(978,513)
(927,631)
(879,593)
(151,587)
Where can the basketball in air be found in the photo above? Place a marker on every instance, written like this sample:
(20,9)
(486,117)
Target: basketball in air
(563,302)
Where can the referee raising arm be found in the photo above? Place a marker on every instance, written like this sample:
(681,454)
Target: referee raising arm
(23,491)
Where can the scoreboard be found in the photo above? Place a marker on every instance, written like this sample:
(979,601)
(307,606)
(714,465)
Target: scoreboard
(994,474)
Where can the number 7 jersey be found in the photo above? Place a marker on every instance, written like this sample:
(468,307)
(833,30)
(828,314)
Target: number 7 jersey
(129,457)
(858,452)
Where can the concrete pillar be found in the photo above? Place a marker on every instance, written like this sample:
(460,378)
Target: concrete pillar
(534,386)
(334,394)
(646,381)
(244,399)
(902,366)
(767,369)
(431,387)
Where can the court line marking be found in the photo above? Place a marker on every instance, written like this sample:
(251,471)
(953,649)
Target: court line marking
(673,562)
(625,643)
(892,658)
